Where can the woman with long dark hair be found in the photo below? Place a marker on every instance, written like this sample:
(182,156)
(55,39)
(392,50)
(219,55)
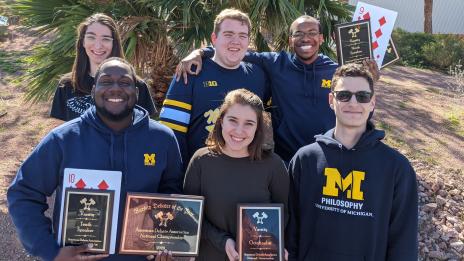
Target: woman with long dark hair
(97,39)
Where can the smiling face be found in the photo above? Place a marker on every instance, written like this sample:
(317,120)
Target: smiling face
(351,114)
(98,43)
(305,39)
(115,93)
(238,130)
(231,43)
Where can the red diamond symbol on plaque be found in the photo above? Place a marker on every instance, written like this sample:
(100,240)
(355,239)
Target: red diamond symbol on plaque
(366,16)
(103,185)
(382,21)
(378,33)
(80,184)
(375,45)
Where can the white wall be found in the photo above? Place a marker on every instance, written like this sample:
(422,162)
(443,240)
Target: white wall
(447,17)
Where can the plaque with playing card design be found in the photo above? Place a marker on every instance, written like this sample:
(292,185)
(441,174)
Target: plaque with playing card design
(353,42)
(88,179)
(87,218)
(155,222)
(391,55)
(260,233)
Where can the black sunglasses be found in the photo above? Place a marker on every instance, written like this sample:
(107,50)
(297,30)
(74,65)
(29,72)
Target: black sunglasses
(345,96)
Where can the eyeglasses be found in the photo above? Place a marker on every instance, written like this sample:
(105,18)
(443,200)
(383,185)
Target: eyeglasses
(301,35)
(345,96)
(91,39)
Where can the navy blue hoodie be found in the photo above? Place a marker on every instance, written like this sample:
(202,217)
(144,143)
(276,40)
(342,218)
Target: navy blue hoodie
(300,97)
(87,143)
(352,204)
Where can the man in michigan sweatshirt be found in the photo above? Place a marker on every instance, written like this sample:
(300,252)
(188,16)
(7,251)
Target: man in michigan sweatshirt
(352,197)
(300,84)
(115,134)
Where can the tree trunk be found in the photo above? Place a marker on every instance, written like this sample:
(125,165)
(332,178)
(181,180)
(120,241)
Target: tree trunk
(428,7)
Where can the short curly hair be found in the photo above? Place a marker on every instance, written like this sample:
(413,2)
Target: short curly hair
(352,70)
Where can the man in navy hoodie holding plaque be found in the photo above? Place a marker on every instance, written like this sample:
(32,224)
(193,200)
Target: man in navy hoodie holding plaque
(352,197)
(116,135)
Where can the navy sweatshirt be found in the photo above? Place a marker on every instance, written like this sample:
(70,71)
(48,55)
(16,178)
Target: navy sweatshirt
(300,97)
(191,110)
(87,143)
(352,204)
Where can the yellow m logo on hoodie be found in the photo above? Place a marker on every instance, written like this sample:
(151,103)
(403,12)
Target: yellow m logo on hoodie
(326,83)
(335,183)
(149,159)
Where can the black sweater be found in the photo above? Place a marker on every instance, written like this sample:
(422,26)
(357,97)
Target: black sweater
(224,182)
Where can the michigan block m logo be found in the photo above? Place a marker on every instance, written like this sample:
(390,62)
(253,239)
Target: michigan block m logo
(149,159)
(351,184)
(326,83)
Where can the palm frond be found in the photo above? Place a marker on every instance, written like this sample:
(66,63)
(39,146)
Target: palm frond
(155,33)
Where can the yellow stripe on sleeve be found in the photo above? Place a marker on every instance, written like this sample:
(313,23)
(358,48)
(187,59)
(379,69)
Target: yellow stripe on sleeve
(178,104)
(174,126)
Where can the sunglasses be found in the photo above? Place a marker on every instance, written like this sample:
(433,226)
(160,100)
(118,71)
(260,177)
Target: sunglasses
(345,96)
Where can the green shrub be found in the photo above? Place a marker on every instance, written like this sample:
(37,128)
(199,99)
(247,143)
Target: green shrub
(445,51)
(434,51)
(409,47)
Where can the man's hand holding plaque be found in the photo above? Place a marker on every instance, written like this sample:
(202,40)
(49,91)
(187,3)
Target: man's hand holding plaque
(87,219)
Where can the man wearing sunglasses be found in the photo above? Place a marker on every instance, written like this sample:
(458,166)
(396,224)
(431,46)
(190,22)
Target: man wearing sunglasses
(352,197)
(300,83)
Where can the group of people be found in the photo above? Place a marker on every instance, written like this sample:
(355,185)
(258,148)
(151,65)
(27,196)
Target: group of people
(346,195)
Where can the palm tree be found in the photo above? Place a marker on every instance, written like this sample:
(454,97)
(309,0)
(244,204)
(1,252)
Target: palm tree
(428,9)
(157,32)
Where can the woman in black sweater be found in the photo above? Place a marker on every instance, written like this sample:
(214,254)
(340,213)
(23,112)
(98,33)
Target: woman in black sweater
(234,168)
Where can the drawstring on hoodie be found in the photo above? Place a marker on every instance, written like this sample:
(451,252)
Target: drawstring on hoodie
(313,86)
(124,176)
(112,151)
(304,81)
(340,146)
(125,158)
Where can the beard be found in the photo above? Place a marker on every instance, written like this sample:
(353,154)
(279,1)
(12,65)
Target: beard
(112,116)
